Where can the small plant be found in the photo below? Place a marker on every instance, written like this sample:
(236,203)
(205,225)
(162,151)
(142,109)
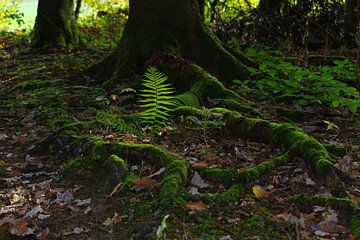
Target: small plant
(156,100)
(277,79)
(113,120)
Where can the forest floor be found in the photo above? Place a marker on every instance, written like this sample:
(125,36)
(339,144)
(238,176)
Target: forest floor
(41,197)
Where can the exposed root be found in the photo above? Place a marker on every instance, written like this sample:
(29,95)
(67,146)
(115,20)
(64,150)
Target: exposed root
(230,177)
(94,153)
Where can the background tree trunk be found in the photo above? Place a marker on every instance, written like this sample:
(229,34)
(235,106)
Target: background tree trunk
(169,26)
(351,19)
(271,7)
(55,25)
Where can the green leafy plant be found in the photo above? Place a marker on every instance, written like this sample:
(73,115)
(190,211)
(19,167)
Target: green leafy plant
(10,12)
(277,79)
(156,100)
(113,120)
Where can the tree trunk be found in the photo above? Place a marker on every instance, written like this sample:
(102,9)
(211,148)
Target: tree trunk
(351,19)
(270,7)
(168,26)
(55,25)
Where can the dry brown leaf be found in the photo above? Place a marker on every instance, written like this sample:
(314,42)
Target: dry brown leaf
(3,164)
(21,140)
(199,165)
(332,228)
(196,206)
(260,192)
(144,182)
(44,235)
(21,111)
(311,217)
(21,228)
(355,198)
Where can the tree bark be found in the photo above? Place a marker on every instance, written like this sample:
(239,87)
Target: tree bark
(55,25)
(270,7)
(169,26)
(351,19)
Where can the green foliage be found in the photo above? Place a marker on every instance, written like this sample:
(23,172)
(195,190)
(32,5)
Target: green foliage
(156,100)
(103,22)
(206,230)
(355,226)
(276,78)
(113,120)
(10,13)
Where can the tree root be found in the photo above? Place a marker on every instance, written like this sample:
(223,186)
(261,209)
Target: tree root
(294,139)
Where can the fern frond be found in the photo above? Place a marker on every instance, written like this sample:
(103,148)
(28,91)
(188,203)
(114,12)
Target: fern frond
(156,99)
(108,118)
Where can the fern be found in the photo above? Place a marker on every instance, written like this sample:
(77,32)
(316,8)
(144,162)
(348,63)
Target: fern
(156,99)
(114,121)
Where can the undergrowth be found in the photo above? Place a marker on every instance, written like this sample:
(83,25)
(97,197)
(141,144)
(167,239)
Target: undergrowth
(284,81)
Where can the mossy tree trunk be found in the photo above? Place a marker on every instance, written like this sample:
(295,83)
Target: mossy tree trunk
(55,25)
(168,26)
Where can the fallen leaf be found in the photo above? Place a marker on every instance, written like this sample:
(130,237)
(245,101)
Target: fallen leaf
(84,202)
(116,219)
(321,233)
(3,136)
(64,198)
(74,209)
(43,216)
(199,165)
(318,209)
(87,210)
(33,212)
(309,181)
(332,228)
(160,171)
(3,164)
(197,181)
(196,206)
(259,191)
(21,228)
(44,235)
(21,139)
(78,230)
(144,182)
(194,191)
(17,198)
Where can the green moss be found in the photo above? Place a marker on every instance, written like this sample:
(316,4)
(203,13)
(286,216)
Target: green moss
(191,111)
(129,179)
(240,107)
(147,152)
(336,149)
(118,122)
(75,162)
(250,128)
(232,176)
(313,152)
(172,194)
(253,222)
(307,200)
(282,159)
(293,115)
(188,99)
(206,230)
(225,176)
(324,167)
(230,197)
(119,161)
(355,226)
